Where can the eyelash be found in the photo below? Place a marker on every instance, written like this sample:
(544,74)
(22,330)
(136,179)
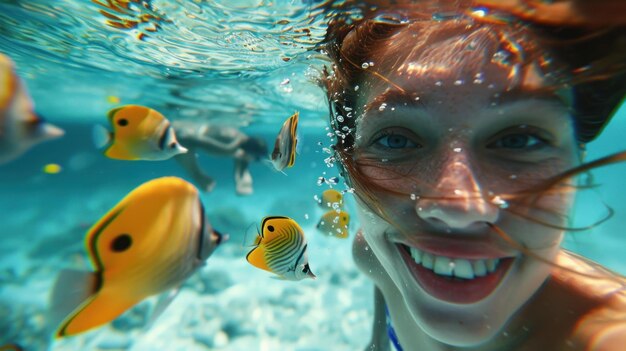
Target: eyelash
(538,142)
(386,134)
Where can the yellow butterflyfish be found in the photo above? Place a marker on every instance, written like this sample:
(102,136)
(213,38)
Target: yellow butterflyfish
(331,199)
(20,127)
(281,248)
(139,133)
(334,223)
(284,153)
(148,244)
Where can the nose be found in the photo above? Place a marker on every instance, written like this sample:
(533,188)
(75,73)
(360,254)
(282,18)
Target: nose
(458,200)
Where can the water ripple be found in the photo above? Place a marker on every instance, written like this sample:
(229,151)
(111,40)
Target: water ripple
(205,58)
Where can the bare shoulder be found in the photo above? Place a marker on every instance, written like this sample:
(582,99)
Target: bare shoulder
(593,279)
(602,327)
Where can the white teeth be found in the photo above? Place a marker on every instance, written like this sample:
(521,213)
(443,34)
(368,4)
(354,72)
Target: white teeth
(416,254)
(427,260)
(443,266)
(463,269)
(457,267)
(491,264)
(480,268)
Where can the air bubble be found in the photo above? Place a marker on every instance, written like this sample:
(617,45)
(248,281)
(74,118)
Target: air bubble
(498,201)
(382,107)
(365,65)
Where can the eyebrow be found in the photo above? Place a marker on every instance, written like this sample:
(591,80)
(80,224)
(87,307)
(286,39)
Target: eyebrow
(517,95)
(395,96)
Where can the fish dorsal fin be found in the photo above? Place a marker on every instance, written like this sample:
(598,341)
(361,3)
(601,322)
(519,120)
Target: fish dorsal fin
(256,257)
(103,307)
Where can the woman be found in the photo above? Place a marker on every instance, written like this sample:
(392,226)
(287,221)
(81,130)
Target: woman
(461,132)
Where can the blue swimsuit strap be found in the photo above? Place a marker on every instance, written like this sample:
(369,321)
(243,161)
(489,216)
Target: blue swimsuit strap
(391,332)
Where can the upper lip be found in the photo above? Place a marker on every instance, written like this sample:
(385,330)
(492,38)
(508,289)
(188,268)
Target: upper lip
(457,247)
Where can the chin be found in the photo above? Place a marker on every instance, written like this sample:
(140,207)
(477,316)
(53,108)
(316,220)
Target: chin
(473,324)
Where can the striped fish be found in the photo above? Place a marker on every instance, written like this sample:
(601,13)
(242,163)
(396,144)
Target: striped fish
(284,153)
(281,248)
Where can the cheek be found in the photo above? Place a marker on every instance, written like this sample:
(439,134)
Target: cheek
(395,177)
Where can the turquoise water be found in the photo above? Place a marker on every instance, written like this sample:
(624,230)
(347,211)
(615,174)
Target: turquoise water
(233,63)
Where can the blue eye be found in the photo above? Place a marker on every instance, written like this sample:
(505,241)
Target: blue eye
(518,141)
(395,141)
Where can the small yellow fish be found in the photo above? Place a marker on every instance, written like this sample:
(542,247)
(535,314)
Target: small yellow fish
(284,153)
(149,243)
(112,99)
(139,133)
(20,127)
(52,168)
(334,223)
(281,248)
(331,199)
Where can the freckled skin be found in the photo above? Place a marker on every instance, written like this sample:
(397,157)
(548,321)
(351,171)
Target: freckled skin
(463,132)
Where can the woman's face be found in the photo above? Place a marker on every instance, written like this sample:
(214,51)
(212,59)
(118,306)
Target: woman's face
(459,147)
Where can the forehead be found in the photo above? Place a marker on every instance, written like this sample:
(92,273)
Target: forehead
(447,103)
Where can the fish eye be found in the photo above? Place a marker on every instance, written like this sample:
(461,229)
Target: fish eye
(270,228)
(122,122)
(344,218)
(121,243)
(306,268)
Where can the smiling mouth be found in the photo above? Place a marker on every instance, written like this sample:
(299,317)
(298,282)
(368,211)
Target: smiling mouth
(456,280)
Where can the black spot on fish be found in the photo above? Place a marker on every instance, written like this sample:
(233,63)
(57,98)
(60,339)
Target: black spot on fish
(270,228)
(121,243)
(122,122)
(344,218)
(172,145)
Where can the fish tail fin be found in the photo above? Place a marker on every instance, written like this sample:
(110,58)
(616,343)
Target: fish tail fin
(70,290)
(101,308)
(101,136)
